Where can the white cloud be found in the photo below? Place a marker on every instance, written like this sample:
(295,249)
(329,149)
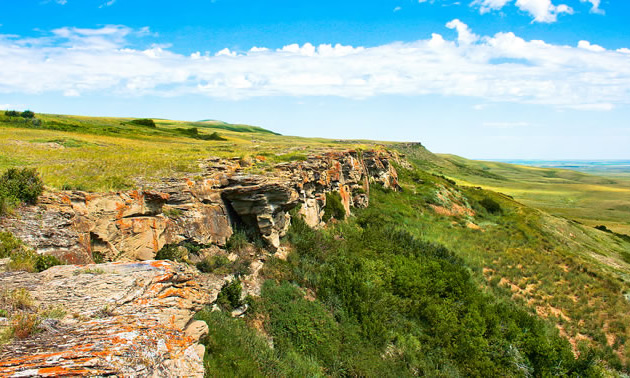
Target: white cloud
(543,10)
(586,45)
(225,52)
(71,93)
(396,9)
(498,68)
(595,6)
(464,35)
(486,6)
(61,2)
(595,107)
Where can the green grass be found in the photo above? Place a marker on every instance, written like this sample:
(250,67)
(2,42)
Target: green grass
(361,298)
(582,197)
(235,350)
(102,154)
(572,274)
(384,302)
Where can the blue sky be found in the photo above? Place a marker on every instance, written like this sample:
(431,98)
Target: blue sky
(547,79)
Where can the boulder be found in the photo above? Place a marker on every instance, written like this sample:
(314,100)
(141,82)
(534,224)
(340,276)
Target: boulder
(124,319)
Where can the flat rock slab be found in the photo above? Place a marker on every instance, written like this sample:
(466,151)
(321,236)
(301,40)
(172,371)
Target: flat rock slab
(124,319)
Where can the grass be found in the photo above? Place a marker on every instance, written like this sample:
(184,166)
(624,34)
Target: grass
(23,314)
(586,198)
(375,306)
(572,274)
(22,258)
(384,302)
(93,271)
(102,154)
(235,350)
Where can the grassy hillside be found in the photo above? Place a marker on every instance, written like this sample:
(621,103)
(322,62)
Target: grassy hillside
(98,153)
(588,199)
(439,280)
(474,268)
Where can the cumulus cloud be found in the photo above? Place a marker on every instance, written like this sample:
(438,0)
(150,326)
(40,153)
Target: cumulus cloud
(586,45)
(498,68)
(486,6)
(594,6)
(464,35)
(542,10)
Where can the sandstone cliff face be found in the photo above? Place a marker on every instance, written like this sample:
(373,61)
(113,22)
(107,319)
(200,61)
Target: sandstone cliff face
(133,317)
(125,319)
(81,227)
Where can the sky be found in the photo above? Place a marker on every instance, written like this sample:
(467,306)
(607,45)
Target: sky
(484,79)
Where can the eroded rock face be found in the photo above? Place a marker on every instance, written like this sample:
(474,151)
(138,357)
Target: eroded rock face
(82,227)
(125,319)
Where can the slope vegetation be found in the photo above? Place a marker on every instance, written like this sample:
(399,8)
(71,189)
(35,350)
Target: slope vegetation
(448,276)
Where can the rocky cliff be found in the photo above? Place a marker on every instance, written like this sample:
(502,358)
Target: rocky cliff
(124,319)
(134,316)
(81,227)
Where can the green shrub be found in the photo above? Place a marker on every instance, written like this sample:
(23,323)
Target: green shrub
(7,204)
(235,350)
(143,122)
(241,267)
(172,252)
(22,259)
(27,114)
(191,132)
(334,207)
(23,184)
(491,205)
(213,136)
(98,257)
(172,212)
(213,263)
(237,241)
(12,113)
(603,228)
(43,262)
(301,325)
(230,296)
(8,244)
(414,298)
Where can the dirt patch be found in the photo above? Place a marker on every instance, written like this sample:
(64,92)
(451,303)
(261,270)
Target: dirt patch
(473,226)
(548,310)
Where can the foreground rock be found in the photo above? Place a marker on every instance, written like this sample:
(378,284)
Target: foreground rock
(81,227)
(126,319)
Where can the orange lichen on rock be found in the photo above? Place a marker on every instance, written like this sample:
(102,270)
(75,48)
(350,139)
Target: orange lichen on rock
(130,324)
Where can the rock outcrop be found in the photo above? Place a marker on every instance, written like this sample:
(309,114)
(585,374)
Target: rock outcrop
(123,319)
(82,227)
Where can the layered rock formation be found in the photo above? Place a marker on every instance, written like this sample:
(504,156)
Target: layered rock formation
(123,319)
(82,227)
